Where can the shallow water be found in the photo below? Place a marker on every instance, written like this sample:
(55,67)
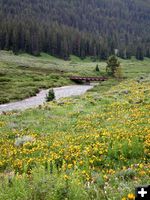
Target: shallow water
(39,99)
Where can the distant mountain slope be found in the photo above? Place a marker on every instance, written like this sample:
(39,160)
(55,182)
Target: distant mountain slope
(81,27)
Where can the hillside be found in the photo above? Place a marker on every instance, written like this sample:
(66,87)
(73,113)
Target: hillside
(81,148)
(85,141)
(81,27)
(22,76)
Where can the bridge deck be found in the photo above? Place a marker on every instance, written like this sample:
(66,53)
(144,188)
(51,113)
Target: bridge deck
(79,78)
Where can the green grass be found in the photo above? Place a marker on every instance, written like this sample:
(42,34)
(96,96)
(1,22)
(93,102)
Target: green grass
(23,75)
(85,147)
(120,126)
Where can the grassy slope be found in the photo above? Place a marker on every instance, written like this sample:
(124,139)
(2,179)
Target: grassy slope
(97,144)
(23,75)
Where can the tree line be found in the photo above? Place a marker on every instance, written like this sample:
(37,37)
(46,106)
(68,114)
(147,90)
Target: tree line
(83,28)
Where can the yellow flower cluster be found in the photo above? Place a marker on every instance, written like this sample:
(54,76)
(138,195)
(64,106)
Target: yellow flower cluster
(113,135)
(2,123)
(130,196)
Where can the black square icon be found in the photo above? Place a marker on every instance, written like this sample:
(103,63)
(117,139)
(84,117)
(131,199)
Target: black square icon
(142,193)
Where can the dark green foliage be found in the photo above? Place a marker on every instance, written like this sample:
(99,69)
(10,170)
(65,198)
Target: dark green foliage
(4,100)
(139,54)
(83,28)
(50,96)
(148,53)
(125,54)
(127,174)
(112,65)
(97,68)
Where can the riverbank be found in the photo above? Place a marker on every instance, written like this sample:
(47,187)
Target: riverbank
(23,75)
(39,99)
(85,147)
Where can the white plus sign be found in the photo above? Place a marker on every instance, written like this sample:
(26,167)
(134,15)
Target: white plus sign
(142,192)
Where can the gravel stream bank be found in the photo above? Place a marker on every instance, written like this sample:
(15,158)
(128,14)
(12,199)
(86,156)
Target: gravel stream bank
(39,99)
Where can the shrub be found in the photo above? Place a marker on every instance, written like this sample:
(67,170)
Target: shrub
(4,100)
(50,96)
(118,73)
(97,68)
(112,65)
(127,174)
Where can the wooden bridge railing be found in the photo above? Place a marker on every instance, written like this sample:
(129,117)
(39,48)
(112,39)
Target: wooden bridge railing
(87,79)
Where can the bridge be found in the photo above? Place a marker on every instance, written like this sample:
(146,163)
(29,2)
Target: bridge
(87,80)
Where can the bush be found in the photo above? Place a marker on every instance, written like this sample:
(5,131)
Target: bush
(127,174)
(50,96)
(4,100)
(118,73)
(112,65)
(97,68)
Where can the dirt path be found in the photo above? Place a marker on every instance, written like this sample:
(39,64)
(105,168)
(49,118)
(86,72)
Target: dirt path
(39,99)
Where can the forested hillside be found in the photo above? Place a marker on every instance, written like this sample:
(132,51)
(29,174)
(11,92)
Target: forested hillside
(80,27)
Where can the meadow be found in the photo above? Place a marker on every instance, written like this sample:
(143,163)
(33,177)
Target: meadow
(94,147)
(23,75)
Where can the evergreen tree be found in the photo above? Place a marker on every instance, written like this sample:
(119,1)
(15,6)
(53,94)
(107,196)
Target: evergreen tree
(118,73)
(97,68)
(57,28)
(148,53)
(50,96)
(112,65)
(139,54)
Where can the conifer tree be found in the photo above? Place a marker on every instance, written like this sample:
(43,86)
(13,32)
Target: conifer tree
(112,65)
(139,54)
(97,68)
(148,53)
